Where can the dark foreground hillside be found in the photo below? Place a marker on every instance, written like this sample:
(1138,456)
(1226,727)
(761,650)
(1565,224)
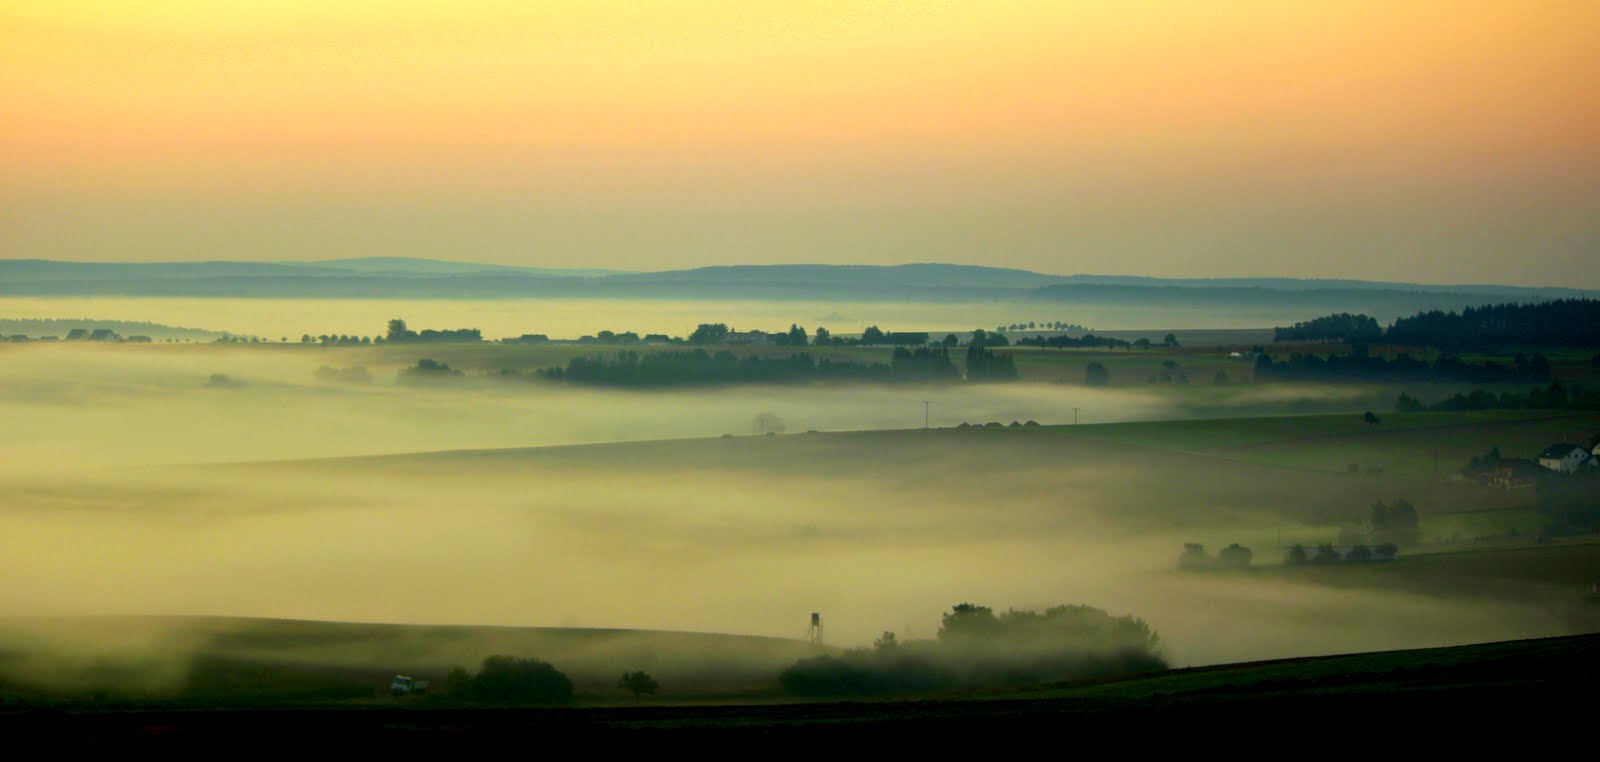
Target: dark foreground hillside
(1492,694)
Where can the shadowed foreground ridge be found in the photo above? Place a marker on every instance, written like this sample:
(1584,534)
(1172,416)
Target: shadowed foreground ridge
(1533,681)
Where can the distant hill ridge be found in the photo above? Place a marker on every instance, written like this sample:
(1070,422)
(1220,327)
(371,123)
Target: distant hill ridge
(380,277)
(930,274)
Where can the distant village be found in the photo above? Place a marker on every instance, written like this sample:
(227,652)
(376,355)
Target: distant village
(1561,458)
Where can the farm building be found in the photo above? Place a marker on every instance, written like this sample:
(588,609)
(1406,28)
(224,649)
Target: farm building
(753,338)
(1564,458)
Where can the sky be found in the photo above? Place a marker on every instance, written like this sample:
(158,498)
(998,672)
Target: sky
(1438,142)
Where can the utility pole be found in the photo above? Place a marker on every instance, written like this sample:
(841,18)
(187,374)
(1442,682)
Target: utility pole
(1074,416)
(925,405)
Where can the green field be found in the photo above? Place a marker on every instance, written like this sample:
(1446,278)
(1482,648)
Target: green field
(1562,571)
(1402,444)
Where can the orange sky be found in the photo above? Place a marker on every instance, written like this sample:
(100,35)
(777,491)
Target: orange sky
(1432,141)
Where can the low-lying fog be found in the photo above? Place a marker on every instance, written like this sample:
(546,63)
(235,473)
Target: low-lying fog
(745,536)
(620,544)
(71,406)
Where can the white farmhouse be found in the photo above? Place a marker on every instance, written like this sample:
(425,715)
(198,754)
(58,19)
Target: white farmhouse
(1564,458)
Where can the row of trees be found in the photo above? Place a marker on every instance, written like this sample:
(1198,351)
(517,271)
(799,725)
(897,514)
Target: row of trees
(700,367)
(1559,322)
(1091,341)
(707,334)
(1341,327)
(1326,553)
(399,333)
(977,648)
(340,340)
(1045,326)
(1361,366)
(983,365)
(1195,557)
(1088,341)
(1552,397)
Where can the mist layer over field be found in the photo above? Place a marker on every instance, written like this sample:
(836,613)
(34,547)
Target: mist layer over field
(115,498)
(730,546)
(879,531)
(571,318)
(76,406)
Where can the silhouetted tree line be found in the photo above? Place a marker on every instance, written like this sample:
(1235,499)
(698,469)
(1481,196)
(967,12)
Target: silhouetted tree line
(1361,366)
(924,364)
(1089,341)
(329,339)
(984,365)
(796,336)
(1552,397)
(510,680)
(428,369)
(976,648)
(400,334)
(700,367)
(873,337)
(1326,553)
(1341,327)
(1195,557)
(1559,322)
(982,338)
(998,425)
(1056,325)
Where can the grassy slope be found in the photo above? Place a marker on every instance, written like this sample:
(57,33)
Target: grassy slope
(1402,444)
(1241,477)
(1380,672)
(1292,466)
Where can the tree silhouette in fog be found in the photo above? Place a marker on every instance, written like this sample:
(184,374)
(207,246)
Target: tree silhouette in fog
(508,679)
(638,683)
(1095,374)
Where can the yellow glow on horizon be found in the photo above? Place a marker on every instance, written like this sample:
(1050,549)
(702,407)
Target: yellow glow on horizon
(634,131)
